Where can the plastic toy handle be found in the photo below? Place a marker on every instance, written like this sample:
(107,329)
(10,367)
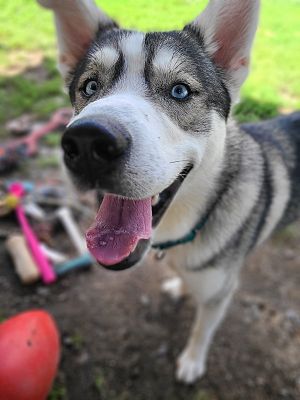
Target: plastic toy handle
(77,263)
(46,270)
(72,229)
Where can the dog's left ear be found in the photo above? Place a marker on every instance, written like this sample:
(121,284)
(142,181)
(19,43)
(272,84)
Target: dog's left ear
(77,23)
(227,28)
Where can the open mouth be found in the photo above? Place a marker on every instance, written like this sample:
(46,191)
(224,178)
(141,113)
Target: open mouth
(121,232)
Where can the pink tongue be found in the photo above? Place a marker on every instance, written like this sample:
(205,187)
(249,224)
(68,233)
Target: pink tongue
(119,225)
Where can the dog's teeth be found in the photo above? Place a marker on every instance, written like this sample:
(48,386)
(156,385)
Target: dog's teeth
(134,247)
(155,199)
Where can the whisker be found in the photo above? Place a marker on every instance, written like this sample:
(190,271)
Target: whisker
(177,161)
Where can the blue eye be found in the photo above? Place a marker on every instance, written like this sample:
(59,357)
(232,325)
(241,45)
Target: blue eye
(180,91)
(90,88)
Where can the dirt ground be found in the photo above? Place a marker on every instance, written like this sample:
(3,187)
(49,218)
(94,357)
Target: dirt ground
(121,336)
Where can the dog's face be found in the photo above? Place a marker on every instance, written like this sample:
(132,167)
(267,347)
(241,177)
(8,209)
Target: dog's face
(151,97)
(145,109)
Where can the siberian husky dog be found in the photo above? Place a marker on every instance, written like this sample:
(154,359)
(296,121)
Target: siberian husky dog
(152,133)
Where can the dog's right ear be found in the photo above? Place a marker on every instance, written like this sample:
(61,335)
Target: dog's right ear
(77,23)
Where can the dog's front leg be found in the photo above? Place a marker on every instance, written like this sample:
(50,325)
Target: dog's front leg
(191,364)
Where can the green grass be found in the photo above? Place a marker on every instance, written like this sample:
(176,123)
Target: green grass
(25,93)
(109,393)
(100,383)
(58,392)
(203,395)
(27,35)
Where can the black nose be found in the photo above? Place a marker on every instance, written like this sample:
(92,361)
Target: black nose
(87,144)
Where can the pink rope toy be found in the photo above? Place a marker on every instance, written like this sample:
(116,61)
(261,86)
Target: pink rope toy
(30,142)
(46,270)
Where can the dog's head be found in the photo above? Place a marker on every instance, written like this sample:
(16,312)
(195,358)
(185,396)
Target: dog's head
(149,113)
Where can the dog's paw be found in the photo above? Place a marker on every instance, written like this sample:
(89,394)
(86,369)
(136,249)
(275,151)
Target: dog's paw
(189,368)
(173,287)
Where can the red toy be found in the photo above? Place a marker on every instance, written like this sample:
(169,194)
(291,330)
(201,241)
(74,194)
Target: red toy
(29,356)
(15,150)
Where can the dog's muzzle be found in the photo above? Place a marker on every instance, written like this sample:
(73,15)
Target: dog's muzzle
(96,154)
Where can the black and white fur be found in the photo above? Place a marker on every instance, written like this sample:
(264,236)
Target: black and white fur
(246,179)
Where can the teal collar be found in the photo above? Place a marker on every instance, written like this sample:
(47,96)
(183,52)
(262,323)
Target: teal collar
(189,237)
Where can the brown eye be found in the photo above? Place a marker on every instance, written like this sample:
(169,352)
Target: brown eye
(90,88)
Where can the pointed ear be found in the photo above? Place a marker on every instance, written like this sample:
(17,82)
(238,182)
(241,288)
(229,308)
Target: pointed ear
(77,23)
(227,28)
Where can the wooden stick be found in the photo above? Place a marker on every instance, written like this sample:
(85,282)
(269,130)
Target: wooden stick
(25,266)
